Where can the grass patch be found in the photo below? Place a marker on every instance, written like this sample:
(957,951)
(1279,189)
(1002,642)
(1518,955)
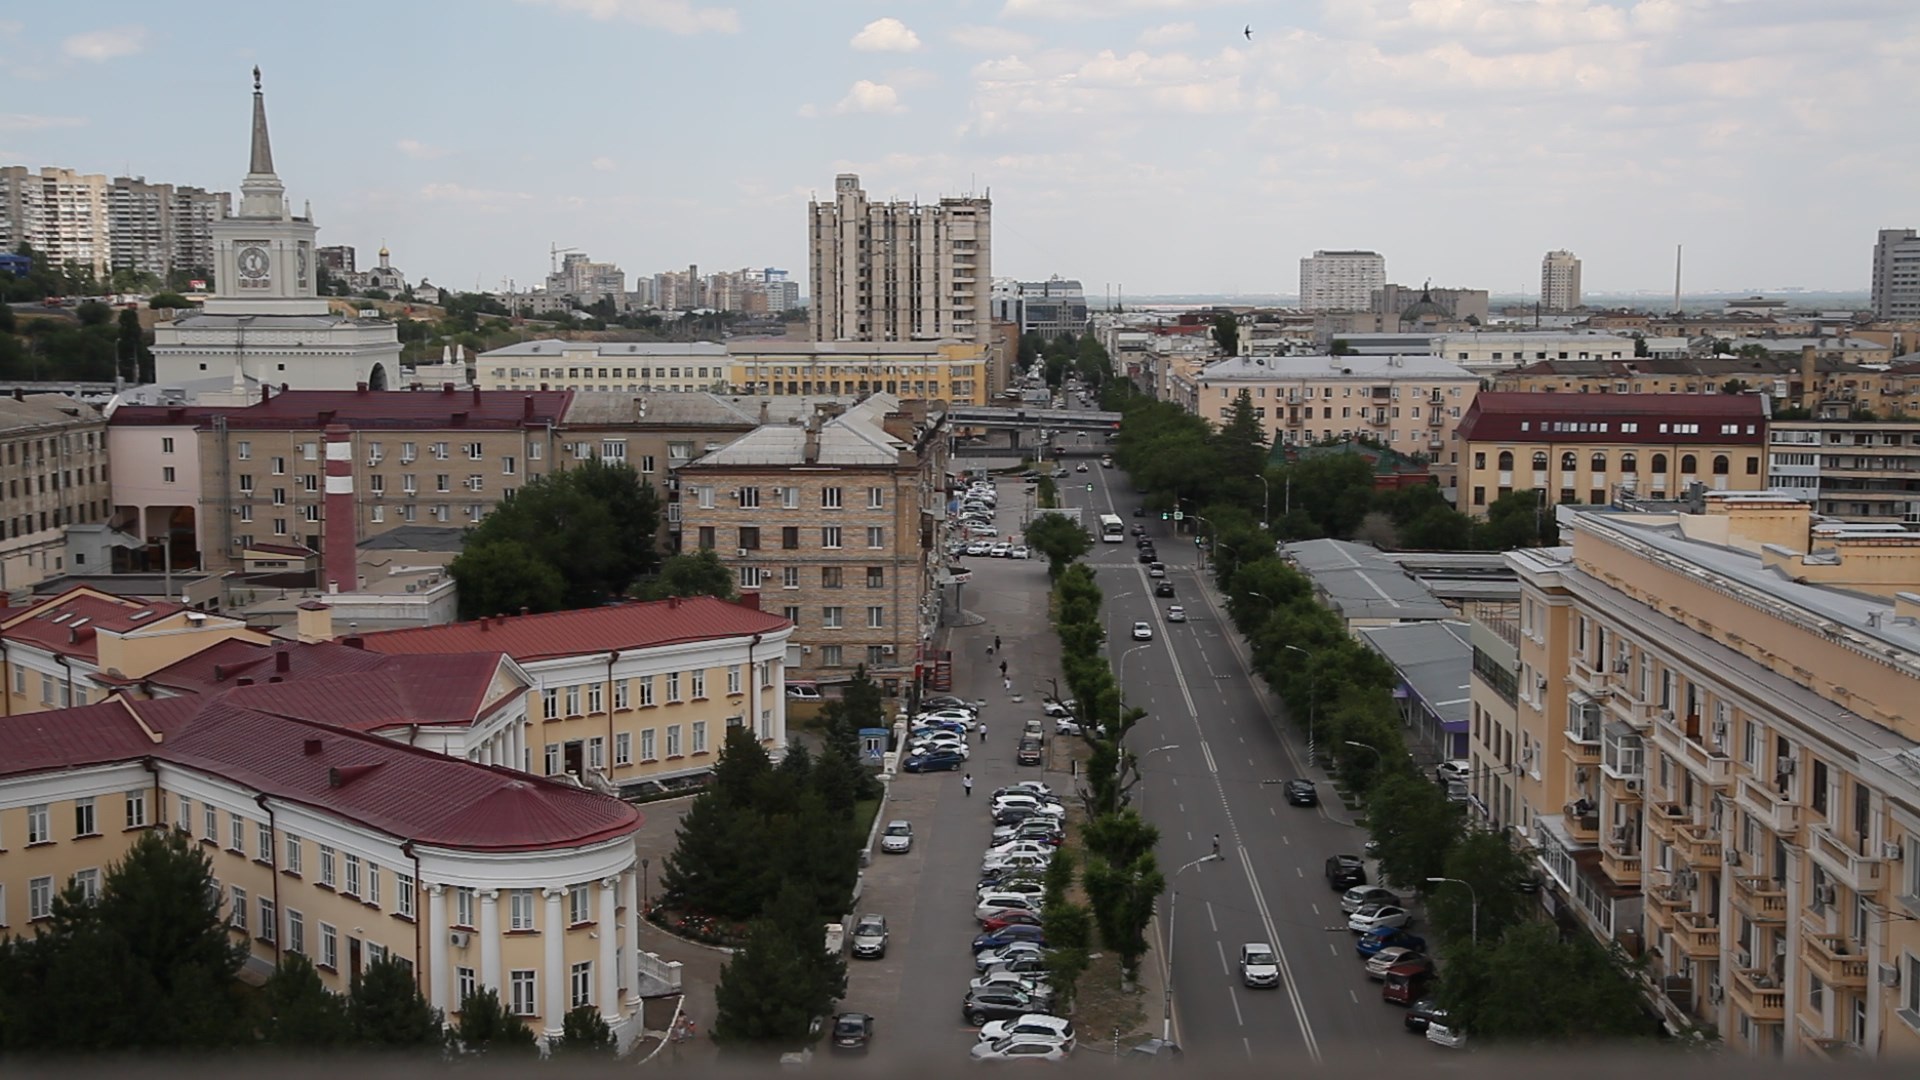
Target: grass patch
(864,812)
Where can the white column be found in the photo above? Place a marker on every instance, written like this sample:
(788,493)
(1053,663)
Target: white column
(609,959)
(438,976)
(490,938)
(630,950)
(553,929)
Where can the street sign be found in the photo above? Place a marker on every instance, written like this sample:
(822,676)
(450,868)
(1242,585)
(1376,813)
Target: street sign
(1177,515)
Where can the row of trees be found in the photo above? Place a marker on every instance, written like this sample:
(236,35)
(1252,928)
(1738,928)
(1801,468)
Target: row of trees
(777,847)
(150,965)
(1065,355)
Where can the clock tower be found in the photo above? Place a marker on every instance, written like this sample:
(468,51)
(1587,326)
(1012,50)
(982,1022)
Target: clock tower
(263,255)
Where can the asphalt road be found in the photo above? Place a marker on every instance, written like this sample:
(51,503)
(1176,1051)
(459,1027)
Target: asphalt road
(1270,887)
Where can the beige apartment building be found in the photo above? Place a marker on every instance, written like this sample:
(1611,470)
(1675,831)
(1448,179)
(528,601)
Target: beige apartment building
(53,474)
(61,212)
(1715,763)
(837,521)
(1866,472)
(1584,447)
(901,270)
(952,371)
(629,366)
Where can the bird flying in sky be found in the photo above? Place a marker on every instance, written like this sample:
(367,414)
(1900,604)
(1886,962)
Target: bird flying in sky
(1249,31)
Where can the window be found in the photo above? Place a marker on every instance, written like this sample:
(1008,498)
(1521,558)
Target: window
(830,536)
(646,746)
(83,819)
(706,541)
(646,463)
(596,699)
(673,740)
(646,690)
(40,898)
(469,983)
(1568,462)
(463,907)
(623,748)
(329,947)
(750,537)
(830,656)
(520,909)
(876,617)
(579,910)
(876,536)
(830,498)
(520,993)
(790,498)
(699,736)
(269,922)
(353,876)
(733,679)
(167,474)
(790,541)
(597,752)
(830,617)
(749,498)
(673,686)
(279,466)
(403,894)
(831,576)
(876,498)
(580,983)
(237,909)
(38,830)
(293,854)
(1689,464)
(243,450)
(210,823)
(1659,464)
(373,883)
(791,613)
(296,932)
(1506,461)
(573,701)
(1721,466)
(620,695)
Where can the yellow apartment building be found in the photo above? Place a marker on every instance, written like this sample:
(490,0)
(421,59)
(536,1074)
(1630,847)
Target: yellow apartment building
(1581,448)
(53,474)
(1718,765)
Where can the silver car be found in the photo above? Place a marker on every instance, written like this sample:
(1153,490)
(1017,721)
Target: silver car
(898,838)
(870,937)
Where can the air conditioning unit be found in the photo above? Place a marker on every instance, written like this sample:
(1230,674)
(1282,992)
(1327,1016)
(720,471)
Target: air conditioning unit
(1715,993)
(1824,895)
(459,938)
(1580,776)
(1742,958)
(886,650)
(1892,852)
(1784,766)
(1732,857)
(1686,879)
(742,552)
(1633,785)
(1889,975)
(1619,834)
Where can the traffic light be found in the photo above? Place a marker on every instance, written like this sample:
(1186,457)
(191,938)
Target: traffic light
(1089,487)
(1164,515)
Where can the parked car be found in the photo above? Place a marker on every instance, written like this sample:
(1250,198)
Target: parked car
(1031,888)
(1388,958)
(1452,770)
(1019,860)
(1018,846)
(1031,984)
(870,937)
(1058,708)
(1371,942)
(1042,804)
(1020,551)
(1025,962)
(1010,918)
(966,718)
(1302,793)
(1028,753)
(1407,983)
(1378,916)
(996,1003)
(945,701)
(933,761)
(1442,1035)
(1067,725)
(852,1033)
(1154,1049)
(1036,788)
(1031,1026)
(1163,589)
(803,692)
(1176,613)
(1422,1013)
(1018,1049)
(1345,871)
(897,838)
(1361,895)
(993,902)
(1032,934)
(1142,632)
(1001,550)
(977,547)
(1258,965)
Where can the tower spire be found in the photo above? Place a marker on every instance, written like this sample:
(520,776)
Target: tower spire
(262,160)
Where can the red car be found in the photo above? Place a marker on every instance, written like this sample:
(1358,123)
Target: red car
(1009,918)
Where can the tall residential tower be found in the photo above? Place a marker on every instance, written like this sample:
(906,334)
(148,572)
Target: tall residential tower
(1560,281)
(898,271)
(1896,275)
(1341,280)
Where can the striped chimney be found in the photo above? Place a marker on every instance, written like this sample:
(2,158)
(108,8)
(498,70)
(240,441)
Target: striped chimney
(338,565)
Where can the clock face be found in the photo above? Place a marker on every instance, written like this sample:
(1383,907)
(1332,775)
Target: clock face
(253,262)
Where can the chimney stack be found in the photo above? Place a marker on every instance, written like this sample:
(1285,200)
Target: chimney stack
(282,661)
(314,622)
(341,539)
(1809,379)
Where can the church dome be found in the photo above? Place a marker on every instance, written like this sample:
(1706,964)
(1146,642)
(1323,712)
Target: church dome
(1425,308)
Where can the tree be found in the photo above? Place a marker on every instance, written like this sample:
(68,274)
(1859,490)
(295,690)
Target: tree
(584,1034)
(92,313)
(136,360)
(1069,928)
(487,1028)
(1495,875)
(506,575)
(1226,332)
(765,995)
(707,872)
(301,1013)
(390,1013)
(1059,539)
(1533,987)
(1415,825)
(1340,347)
(700,573)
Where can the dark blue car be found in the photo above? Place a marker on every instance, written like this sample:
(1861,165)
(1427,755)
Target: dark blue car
(938,761)
(1006,935)
(1386,937)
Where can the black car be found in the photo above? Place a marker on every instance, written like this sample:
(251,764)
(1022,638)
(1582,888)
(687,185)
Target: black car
(1422,1013)
(1346,871)
(1141,539)
(1028,753)
(1302,793)
(997,1003)
(852,1033)
(1147,556)
(1164,588)
(1139,511)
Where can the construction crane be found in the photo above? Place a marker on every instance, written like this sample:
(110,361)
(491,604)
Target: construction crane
(556,252)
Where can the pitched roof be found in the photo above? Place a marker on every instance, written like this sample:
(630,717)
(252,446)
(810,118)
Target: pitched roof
(569,633)
(412,410)
(66,624)
(334,684)
(1513,415)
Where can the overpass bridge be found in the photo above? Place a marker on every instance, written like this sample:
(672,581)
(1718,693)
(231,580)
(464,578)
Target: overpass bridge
(1021,418)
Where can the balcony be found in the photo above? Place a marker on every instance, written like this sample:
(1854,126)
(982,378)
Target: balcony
(1861,873)
(1436,418)
(1586,678)
(1697,934)
(1622,757)
(1699,845)
(1664,903)
(1663,818)
(1821,1046)
(1753,993)
(1620,864)
(1582,827)
(1762,898)
(1680,738)
(1377,417)
(1835,959)
(1771,808)
(1583,730)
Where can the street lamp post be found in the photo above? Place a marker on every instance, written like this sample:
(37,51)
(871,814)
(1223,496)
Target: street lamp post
(1364,746)
(1313,695)
(1266,497)
(1471,892)
(1173,912)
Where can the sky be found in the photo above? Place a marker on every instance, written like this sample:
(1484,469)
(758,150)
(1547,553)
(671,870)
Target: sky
(1142,146)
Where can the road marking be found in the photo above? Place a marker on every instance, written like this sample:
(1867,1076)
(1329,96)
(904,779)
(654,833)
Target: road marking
(1208,751)
(1222,950)
(1284,838)
(1235,998)
(1316,909)
(1299,871)
(1271,812)
(1280,953)
(1210,920)
(1248,1046)
(1354,996)
(1332,948)
(1175,779)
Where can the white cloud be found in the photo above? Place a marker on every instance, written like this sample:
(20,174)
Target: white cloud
(604,163)
(480,200)
(33,122)
(1168,34)
(420,151)
(1096,9)
(990,39)
(870,97)
(108,44)
(673,16)
(885,35)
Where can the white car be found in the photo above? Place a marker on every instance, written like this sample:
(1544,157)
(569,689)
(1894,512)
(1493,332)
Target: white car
(1032,890)
(1019,1049)
(1032,1026)
(1176,613)
(977,547)
(1059,708)
(945,741)
(898,838)
(1001,550)
(1442,1035)
(951,716)
(1010,953)
(1028,802)
(1019,860)
(1379,916)
(1361,895)
(1142,632)
(1042,829)
(1012,847)
(1026,984)
(1452,770)
(1258,966)
(1020,551)
(998,903)
(1036,788)
(984,530)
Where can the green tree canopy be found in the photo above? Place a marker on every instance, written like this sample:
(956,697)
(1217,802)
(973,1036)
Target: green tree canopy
(1226,332)
(487,1028)
(697,573)
(390,1013)
(1059,539)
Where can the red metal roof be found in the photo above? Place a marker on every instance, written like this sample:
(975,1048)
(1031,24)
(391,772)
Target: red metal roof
(1517,416)
(588,630)
(332,684)
(66,624)
(366,410)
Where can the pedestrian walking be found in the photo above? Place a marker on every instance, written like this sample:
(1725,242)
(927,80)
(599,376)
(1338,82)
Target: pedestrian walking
(1006,682)
(1003,669)
(996,641)
(967,783)
(983,731)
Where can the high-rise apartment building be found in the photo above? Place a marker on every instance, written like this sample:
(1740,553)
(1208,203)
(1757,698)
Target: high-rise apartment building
(1896,274)
(1341,280)
(898,271)
(588,282)
(1560,281)
(159,228)
(62,213)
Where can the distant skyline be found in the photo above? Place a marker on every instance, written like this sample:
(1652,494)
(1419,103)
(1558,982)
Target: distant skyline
(1138,143)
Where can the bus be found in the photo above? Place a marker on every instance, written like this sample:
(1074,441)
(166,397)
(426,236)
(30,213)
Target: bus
(1111,529)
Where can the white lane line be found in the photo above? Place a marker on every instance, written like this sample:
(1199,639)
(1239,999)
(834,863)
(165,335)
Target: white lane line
(1271,812)
(1333,949)
(1210,919)
(1208,751)
(1299,871)
(1248,1046)
(1175,779)
(1316,909)
(1222,950)
(1235,998)
(1284,838)
(1354,996)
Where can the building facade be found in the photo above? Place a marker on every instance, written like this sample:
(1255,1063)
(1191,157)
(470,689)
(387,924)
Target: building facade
(62,213)
(1493,350)
(1866,472)
(1719,770)
(54,473)
(898,271)
(837,521)
(634,367)
(1560,281)
(1341,280)
(1582,448)
(161,229)
(1896,274)
(950,371)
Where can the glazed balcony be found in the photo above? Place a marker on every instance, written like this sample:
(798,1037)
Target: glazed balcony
(1769,807)
(1762,898)
(1750,991)
(1697,934)
(1861,873)
(1583,733)
(1699,845)
(1680,738)
(1835,959)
